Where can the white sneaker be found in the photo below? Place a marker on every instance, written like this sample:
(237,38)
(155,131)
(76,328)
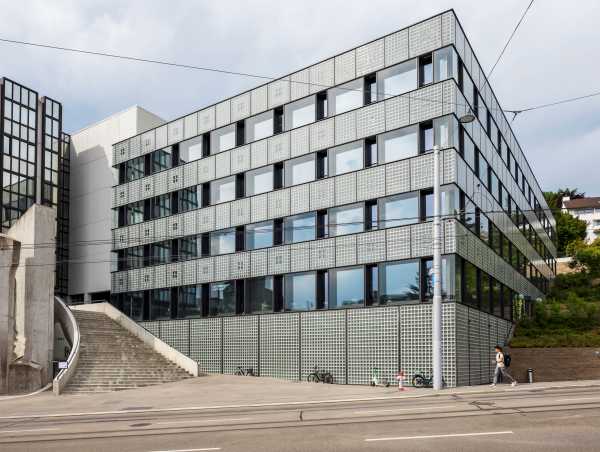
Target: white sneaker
(493,385)
(513,384)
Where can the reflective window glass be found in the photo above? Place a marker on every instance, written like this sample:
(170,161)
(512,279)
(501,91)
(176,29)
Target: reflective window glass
(347,287)
(222,139)
(222,190)
(398,144)
(300,170)
(259,294)
(397,79)
(343,159)
(300,291)
(300,228)
(345,97)
(259,126)
(222,242)
(160,304)
(259,235)
(346,220)
(445,64)
(221,298)
(190,150)
(300,113)
(259,181)
(399,282)
(189,302)
(398,210)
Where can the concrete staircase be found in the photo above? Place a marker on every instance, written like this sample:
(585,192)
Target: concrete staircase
(113,359)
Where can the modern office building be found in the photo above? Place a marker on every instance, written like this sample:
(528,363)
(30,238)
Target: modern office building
(91,201)
(290,226)
(35,163)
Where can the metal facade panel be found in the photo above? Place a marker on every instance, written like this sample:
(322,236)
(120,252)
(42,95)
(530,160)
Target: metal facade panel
(397,177)
(240,265)
(462,345)
(206,270)
(279,147)
(280,345)
(397,112)
(279,92)
(120,238)
(190,126)
(421,172)
(425,36)
(222,165)
(175,131)
(161,137)
(474,360)
(370,57)
(322,76)
(240,343)
(426,103)
(396,47)
(206,120)
(240,159)
(259,153)
(160,277)
(147,278)
(299,141)
(345,250)
(259,263)
(175,178)
(121,195)
(421,239)
(322,135)
(222,267)
(206,219)
(240,212)
(206,169)
(279,203)
(372,343)
(161,183)
(121,152)
(205,343)
(133,279)
(345,189)
(299,199)
(345,127)
(299,257)
(223,113)
(449,159)
(240,107)
(190,174)
(189,270)
(370,120)
(119,282)
(370,183)
(370,247)
(259,208)
(147,232)
(176,333)
(345,67)
(322,194)
(323,339)
(449,231)
(151,327)
(259,101)
(175,226)
(300,84)
(147,189)
(148,142)
(222,216)
(133,233)
(398,243)
(279,260)
(322,254)
(135,146)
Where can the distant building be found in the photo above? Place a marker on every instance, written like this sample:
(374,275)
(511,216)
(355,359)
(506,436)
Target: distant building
(587,209)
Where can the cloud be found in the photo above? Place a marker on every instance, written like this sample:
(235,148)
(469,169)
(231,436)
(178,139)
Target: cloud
(551,57)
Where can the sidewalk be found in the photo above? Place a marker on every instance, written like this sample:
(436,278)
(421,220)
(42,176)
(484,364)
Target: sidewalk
(228,391)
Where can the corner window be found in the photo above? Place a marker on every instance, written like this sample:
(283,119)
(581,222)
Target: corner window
(190,150)
(445,64)
(222,190)
(259,126)
(399,282)
(300,113)
(222,139)
(221,298)
(300,170)
(300,291)
(347,287)
(398,144)
(448,280)
(259,295)
(425,70)
(346,220)
(259,181)
(222,242)
(470,281)
(347,158)
(259,235)
(300,228)
(398,210)
(468,150)
(396,80)
(346,97)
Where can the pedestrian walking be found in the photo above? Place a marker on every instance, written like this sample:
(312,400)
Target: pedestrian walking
(501,365)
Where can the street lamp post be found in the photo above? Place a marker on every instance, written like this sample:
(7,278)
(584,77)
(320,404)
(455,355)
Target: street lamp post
(437,274)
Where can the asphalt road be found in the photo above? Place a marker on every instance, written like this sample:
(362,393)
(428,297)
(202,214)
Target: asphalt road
(523,420)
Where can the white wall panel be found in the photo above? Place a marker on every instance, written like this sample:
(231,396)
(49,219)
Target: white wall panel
(240,107)
(190,126)
(370,57)
(223,113)
(345,67)
(206,120)
(279,92)
(322,75)
(240,159)
(175,131)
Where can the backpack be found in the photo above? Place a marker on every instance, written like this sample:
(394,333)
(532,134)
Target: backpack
(507,360)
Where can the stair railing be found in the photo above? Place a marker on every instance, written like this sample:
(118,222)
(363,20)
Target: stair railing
(64,315)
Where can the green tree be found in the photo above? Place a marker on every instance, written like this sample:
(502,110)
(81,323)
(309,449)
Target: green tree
(568,229)
(586,256)
(554,198)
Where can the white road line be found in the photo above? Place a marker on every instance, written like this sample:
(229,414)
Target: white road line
(30,430)
(392,410)
(452,435)
(203,420)
(580,398)
(188,450)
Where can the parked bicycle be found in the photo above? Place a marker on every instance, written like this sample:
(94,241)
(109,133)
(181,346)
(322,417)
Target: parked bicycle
(422,381)
(320,376)
(247,372)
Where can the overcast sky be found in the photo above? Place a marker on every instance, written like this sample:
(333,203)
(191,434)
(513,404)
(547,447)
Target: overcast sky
(554,55)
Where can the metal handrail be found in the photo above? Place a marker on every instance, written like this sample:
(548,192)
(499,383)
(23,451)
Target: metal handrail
(62,378)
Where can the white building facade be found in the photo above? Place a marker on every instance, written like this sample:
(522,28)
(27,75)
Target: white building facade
(588,210)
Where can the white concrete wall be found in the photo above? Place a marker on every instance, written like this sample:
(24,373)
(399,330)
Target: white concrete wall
(90,210)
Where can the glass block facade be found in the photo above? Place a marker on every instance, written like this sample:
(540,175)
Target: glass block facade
(35,162)
(313,194)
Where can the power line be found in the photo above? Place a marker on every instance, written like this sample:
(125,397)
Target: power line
(551,104)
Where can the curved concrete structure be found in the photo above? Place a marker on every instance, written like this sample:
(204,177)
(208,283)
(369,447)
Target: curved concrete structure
(64,315)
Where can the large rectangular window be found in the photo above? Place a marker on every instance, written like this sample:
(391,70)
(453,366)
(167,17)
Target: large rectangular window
(189,199)
(222,139)
(222,190)
(448,278)
(161,206)
(346,97)
(300,170)
(134,213)
(221,298)
(347,287)
(300,113)
(398,144)
(160,304)
(162,159)
(398,210)
(259,235)
(468,151)
(346,220)
(397,79)
(189,248)
(445,64)
(161,252)
(259,294)
(134,169)
(222,242)
(399,282)
(346,158)
(190,150)
(133,305)
(300,291)
(189,301)
(259,126)
(259,181)
(300,228)
(471,285)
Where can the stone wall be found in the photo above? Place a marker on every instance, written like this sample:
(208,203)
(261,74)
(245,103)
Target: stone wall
(556,364)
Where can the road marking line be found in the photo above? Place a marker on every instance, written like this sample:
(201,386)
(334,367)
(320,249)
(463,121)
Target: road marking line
(203,420)
(188,450)
(452,435)
(29,430)
(404,409)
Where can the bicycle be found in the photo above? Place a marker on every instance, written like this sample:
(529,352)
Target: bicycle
(319,376)
(248,372)
(421,381)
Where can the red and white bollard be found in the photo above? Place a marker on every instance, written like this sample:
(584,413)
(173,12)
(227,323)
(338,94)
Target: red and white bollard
(400,378)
